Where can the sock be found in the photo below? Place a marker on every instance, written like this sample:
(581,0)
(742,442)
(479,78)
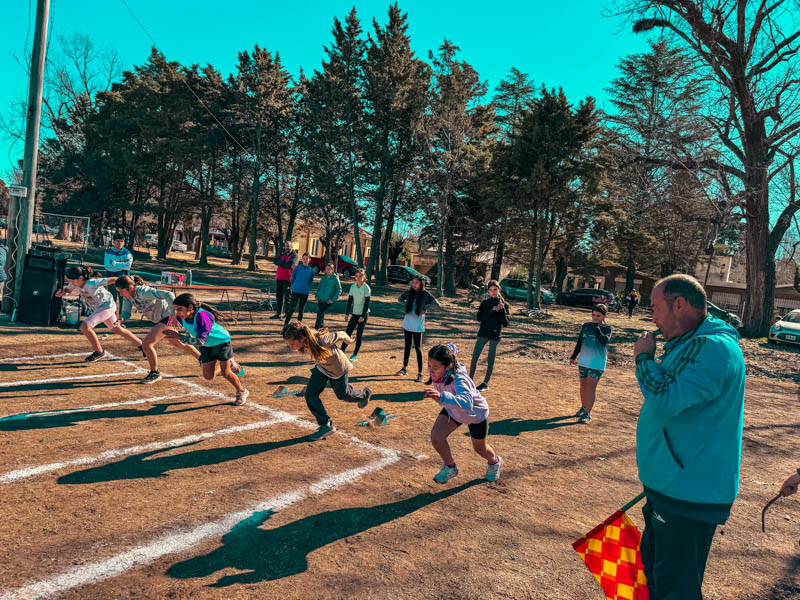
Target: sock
(451,465)
(496,459)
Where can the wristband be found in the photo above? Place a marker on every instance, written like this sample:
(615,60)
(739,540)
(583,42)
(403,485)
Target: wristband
(643,357)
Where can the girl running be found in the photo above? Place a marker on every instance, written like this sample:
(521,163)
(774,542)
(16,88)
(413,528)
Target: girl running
(461,403)
(357,311)
(156,306)
(591,350)
(201,322)
(417,299)
(91,288)
(330,365)
(493,316)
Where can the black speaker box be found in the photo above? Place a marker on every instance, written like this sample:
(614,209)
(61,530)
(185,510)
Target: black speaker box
(41,279)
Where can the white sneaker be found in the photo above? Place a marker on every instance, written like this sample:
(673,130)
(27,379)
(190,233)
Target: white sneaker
(493,471)
(446,474)
(241,397)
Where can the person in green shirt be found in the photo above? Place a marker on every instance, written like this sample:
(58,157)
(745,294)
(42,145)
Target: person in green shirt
(357,311)
(328,292)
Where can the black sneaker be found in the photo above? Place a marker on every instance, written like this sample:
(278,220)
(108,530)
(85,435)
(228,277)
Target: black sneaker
(152,377)
(581,412)
(95,356)
(278,316)
(483,387)
(365,400)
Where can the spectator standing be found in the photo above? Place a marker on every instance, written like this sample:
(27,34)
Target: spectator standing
(302,278)
(328,292)
(286,263)
(117,262)
(689,435)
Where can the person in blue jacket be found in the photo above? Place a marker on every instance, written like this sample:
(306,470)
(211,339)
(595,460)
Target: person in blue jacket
(117,262)
(689,435)
(302,278)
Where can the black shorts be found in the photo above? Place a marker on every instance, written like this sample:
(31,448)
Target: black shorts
(219,352)
(164,321)
(477,431)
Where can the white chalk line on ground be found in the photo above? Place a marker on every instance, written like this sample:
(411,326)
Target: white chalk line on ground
(28,472)
(183,540)
(10,384)
(29,358)
(66,411)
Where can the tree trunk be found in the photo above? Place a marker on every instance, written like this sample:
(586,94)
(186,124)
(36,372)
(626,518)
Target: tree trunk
(449,264)
(351,192)
(630,274)
(497,265)
(251,263)
(532,263)
(561,272)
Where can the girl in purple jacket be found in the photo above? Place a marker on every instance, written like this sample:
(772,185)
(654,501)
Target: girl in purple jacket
(461,404)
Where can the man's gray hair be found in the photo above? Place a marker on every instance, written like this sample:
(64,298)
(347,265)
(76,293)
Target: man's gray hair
(687,287)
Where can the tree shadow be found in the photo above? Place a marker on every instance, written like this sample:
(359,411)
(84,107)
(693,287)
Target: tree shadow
(63,386)
(515,426)
(270,364)
(291,380)
(271,554)
(137,467)
(32,421)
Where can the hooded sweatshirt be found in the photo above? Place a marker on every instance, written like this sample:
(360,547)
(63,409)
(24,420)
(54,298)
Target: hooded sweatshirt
(689,435)
(462,401)
(152,303)
(330,288)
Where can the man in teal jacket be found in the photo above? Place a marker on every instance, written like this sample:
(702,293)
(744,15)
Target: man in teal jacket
(689,436)
(328,292)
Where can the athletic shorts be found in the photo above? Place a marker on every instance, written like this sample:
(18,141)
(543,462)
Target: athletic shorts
(164,321)
(584,372)
(219,352)
(107,316)
(477,431)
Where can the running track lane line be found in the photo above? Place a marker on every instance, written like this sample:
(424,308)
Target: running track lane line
(184,540)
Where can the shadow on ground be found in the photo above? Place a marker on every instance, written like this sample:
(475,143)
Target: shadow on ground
(270,554)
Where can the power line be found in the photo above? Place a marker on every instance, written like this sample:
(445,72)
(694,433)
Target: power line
(183,79)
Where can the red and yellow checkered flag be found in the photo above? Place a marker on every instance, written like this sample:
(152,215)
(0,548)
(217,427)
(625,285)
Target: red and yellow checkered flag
(611,552)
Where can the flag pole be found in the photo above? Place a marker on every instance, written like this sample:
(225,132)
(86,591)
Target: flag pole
(632,502)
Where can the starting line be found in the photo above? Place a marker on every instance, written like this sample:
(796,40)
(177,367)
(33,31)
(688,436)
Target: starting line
(180,540)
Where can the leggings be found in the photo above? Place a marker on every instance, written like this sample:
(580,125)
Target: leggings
(298,300)
(479,344)
(417,337)
(353,324)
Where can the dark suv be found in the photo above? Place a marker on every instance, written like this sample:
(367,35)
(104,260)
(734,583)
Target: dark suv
(403,274)
(585,297)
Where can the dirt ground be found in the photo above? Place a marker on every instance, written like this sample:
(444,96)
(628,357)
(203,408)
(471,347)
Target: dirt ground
(169,491)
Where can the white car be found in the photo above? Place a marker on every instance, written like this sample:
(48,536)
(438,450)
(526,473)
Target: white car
(786,329)
(178,246)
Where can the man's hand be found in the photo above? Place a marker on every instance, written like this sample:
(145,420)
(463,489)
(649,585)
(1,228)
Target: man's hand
(60,294)
(646,344)
(330,301)
(789,486)
(360,319)
(432,394)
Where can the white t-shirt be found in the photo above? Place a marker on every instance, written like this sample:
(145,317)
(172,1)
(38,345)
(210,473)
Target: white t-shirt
(359,294)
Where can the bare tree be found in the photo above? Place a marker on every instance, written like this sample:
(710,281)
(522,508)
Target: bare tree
(749,53)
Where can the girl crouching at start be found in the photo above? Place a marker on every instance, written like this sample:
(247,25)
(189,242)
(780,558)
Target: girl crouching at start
(201,322)
(461,403)
(92,290)
(331,365)
(156,306)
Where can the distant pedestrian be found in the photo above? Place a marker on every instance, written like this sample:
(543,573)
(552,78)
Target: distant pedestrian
(328,292)
(286,262)
(591,351)
(302,278)
(688,437)
(633,300)
(493,316)
(416,300)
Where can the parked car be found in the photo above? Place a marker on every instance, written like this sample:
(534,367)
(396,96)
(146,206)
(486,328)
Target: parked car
(586,298)
(403,274)
(178,246)
(345,266)
(728,317)
(786,329)
(218,251)
(150,240)
(517,289)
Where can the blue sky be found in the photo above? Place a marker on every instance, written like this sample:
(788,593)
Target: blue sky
(575,48)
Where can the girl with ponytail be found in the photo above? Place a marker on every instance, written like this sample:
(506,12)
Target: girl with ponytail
(202,324)
(330,365)
(92,290)
(461,403)
(156,306)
